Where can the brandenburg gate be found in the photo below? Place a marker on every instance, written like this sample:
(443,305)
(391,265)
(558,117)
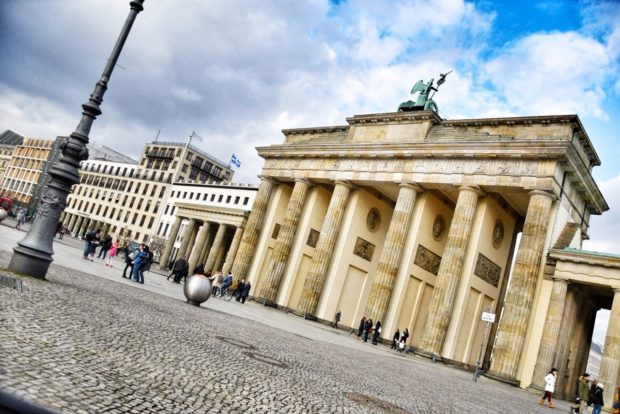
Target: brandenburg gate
(412,220)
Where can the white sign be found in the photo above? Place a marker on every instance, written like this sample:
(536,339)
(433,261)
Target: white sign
(488,317)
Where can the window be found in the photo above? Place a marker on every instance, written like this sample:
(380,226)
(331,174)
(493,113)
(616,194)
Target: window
(204,197)
(228,199)
(151,222)
(146,186)
(160,226)
(212,197)
(135,217)
(157,203)
(246,200)
(173,208)
(140,204)
(237,199)
(184,168)
(142,221)
(105,211)
(153,191)
(185,194)
(167,208)
(219,199)
(191,196)
(162,191)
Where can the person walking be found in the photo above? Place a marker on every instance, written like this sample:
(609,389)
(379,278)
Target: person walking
(129,256)
(89,239)
(336,319)
(582,392)
(217,284)
(403,340)
(179,268)
(240,287)
(367,329)
(245,292)
(395,339)
(21,218)
(360,329)
(227,282)
(137,264)
(60,230)
(591,394)
(376,333)
(598,401)
(111,253)
(106,244)
(549,388)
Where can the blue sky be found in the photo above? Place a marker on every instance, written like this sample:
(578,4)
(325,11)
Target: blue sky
(238,72)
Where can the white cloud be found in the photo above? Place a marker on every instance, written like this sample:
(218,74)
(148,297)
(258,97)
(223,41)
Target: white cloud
(604,229)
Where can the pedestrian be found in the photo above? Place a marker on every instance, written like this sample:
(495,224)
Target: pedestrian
(240,287)
(395,339)
(137,264)
(179,269)
(226,282)
(129,256)
(217,283)
(367,329)
(376,333)
(111,253)
(403,340)
(598,401)
(106,244)
(145,265)
(337,319)
(93,245)
(90,238)
(591,393)
(583,391)
(549,388)
(60,230)
(245,292)
(21,218)
(616,404)
(360,329)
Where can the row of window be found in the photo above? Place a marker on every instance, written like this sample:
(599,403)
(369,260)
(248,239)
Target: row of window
(127,172)
(108,213)
(206,195)
(18,186)
(148,205)
(27,163)
(100,183)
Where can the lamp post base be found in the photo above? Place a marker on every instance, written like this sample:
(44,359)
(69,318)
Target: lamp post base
(27,261)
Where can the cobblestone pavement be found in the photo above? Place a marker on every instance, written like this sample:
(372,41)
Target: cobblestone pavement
(80,343)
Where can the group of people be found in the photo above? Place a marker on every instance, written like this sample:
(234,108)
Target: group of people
(138,261)
(589,393)
(219,282)
(366,329)
(399,340)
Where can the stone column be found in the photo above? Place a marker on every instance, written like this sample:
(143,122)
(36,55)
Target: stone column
(200,239)
(72,218)
(219,258)
(313,286)
(75,228)
(518,302)
(232,251)
(551,332)
(242,261)
(282,248)
(391,254)
(163,261)
(610,363)
(217,244)
(208,242)
(450,270)
(187,235)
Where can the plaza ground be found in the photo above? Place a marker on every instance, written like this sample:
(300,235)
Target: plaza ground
(85,340)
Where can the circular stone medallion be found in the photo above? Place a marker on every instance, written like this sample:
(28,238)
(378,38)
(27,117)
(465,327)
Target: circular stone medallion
(498,234)
(373,220)
(439,227)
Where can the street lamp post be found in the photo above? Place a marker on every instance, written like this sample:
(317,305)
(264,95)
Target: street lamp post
(33,254)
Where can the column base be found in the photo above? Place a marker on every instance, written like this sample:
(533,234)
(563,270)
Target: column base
(27,261)
(268,303)
(426,354)
(310,317)
(502,378)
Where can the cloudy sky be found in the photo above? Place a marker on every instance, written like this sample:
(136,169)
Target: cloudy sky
(237,72)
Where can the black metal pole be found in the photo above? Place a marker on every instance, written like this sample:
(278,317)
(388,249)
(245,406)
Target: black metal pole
(33,254)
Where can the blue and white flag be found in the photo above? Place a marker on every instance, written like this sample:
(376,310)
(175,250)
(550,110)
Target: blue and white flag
(235,161)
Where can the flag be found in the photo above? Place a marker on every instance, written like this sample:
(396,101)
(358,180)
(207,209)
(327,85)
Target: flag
(196,136)
(235,161)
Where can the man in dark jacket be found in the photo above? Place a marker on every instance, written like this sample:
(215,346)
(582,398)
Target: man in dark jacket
(89,241)
(395,339)
(240,287)
(106,243)
(179,270)
(376,333)
(246,291)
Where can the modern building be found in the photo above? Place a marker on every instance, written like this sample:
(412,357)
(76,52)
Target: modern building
(9,140)
(204,223)
(125,197)
(412,220)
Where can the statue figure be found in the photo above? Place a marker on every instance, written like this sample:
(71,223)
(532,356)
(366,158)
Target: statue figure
(424,101)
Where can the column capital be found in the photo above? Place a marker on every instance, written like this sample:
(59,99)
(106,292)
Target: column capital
(410,184)
(472,188)
(345,183)
(543,193)
(267,178)
(304,180)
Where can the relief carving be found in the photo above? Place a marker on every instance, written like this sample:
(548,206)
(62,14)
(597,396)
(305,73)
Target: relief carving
(487,270)
(276,231)
(439,227)
(313,238)
(373,220)
(364,249)
(498,234)
(427,260)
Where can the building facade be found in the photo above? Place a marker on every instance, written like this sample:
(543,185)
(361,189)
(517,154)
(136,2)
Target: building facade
(204,223)
(22,175)
(125,199)
(413,220)
(9,140)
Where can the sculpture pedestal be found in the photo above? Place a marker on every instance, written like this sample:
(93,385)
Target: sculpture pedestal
(197,289)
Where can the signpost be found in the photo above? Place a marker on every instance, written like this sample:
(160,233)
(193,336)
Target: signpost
(488,318)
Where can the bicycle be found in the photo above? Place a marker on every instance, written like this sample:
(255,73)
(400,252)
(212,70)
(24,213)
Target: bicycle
(227,294)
